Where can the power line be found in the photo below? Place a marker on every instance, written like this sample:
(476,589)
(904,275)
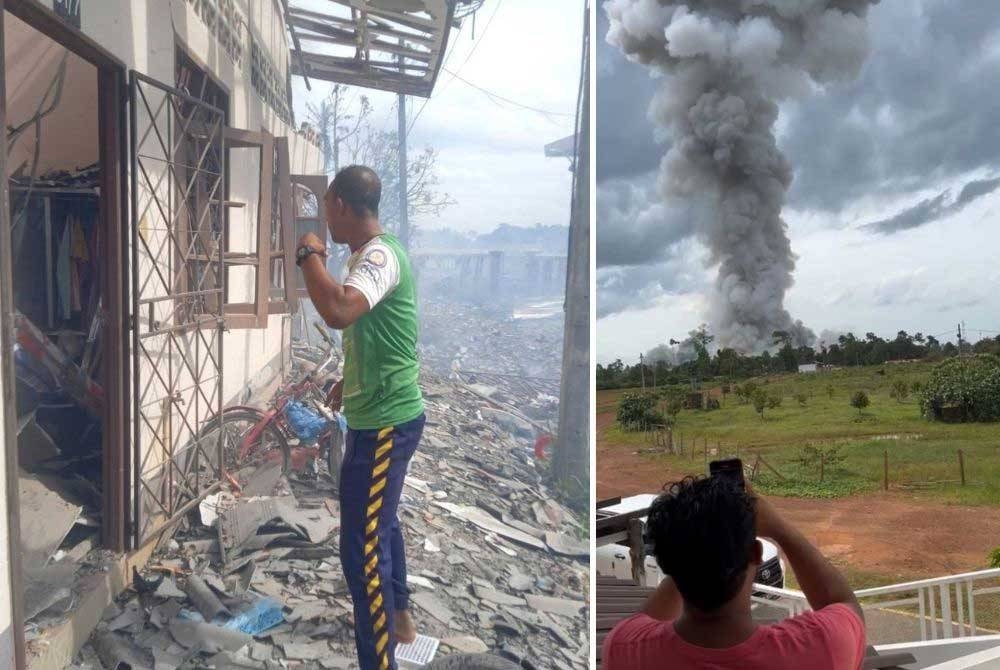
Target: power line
(454,45)
(497,96)
(482,37)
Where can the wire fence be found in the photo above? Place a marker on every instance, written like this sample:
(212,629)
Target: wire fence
(810,465)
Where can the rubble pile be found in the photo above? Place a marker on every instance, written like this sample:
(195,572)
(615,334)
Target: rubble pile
(456,335)
(253,579)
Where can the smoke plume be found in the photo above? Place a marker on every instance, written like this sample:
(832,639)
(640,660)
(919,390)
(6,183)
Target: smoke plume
(725,65)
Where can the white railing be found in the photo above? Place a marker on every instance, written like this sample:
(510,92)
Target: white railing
(946,606)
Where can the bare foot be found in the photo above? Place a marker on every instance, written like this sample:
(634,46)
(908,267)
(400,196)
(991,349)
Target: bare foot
(406,630)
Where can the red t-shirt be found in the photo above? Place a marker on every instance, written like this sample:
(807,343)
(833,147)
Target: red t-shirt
(831,639)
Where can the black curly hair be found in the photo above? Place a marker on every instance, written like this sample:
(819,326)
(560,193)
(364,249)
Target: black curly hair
(702,534)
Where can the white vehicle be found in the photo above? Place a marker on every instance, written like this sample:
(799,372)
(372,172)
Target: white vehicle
(613,559)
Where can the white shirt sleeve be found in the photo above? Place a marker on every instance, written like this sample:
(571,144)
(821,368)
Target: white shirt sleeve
(374,272)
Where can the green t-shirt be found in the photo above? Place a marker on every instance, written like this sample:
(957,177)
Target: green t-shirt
(381,370)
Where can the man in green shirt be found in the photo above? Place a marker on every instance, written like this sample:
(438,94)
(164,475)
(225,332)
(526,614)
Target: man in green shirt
(376,308)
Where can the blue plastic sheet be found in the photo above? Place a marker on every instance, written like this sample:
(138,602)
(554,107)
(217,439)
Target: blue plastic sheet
(306,423)
(263,615)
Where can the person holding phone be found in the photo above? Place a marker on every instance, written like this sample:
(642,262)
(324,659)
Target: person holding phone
(704,534)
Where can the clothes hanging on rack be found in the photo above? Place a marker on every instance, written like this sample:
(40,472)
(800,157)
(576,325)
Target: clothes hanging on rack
(56,260)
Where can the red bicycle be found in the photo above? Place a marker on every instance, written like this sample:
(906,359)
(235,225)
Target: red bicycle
(251,435)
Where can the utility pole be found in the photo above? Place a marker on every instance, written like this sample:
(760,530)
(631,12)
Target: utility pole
(571,457)
(642,373)
(404,219)
(960,339)
(336,119)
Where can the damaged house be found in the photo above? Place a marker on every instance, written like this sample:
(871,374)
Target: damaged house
(156,185)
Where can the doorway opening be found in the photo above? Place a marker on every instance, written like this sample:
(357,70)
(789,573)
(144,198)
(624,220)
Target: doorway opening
(65,253)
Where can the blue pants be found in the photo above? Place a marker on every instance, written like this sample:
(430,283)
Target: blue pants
(371,543)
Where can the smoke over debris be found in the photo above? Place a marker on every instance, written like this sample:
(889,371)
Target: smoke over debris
(725,66)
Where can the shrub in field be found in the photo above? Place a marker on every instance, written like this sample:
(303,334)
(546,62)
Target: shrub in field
(809,456)
(713,403)
(829,390)
(859,401)
(964,388)
(746,392)
(674,405)
(637,411)
(773,401)
(899,391)
(994,558)
(916,387)
(759,402)
(801,399)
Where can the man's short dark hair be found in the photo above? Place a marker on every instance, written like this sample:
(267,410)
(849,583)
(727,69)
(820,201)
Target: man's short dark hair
(360,188)
(702,530)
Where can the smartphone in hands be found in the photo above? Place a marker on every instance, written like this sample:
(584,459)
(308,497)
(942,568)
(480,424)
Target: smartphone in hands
(730,468)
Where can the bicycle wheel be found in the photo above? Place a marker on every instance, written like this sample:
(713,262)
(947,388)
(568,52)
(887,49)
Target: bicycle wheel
(236,424)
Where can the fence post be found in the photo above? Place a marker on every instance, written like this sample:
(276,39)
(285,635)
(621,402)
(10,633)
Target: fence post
(822,464)
(885,470)
(706,454)
(961,465)
(737,450)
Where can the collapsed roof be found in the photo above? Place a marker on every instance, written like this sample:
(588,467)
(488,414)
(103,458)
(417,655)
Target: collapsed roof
(391,45)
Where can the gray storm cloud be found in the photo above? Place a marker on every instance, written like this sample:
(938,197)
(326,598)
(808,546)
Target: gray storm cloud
(726,64)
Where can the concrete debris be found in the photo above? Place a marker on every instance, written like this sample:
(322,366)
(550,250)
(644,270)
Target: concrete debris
(421,581)
(164,660)
(466,644)
(204,598)
(433,606)
(491,552)
(263,481)
(519,581)
(133,614)
(208,508)
(311,651)
(563,606)
(567,545)
(240,520)
(497,597)
(488,523)
(227,660)
(46,519)
(48,588)
(117,652)
(207,638)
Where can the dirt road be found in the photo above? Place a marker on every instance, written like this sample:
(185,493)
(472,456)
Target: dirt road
(886,534)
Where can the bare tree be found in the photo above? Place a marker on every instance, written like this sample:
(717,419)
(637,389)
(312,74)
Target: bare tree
(335,122)
(350,138)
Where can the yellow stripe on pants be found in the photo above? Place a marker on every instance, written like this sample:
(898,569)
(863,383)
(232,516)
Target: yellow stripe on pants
(374,586)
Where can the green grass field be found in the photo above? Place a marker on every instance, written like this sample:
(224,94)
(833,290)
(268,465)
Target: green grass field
(923,455)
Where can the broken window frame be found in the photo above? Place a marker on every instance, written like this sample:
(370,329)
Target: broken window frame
(240,315)
(317,184)
(289,302)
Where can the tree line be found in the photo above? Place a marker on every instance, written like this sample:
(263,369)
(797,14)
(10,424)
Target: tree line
(692,360)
